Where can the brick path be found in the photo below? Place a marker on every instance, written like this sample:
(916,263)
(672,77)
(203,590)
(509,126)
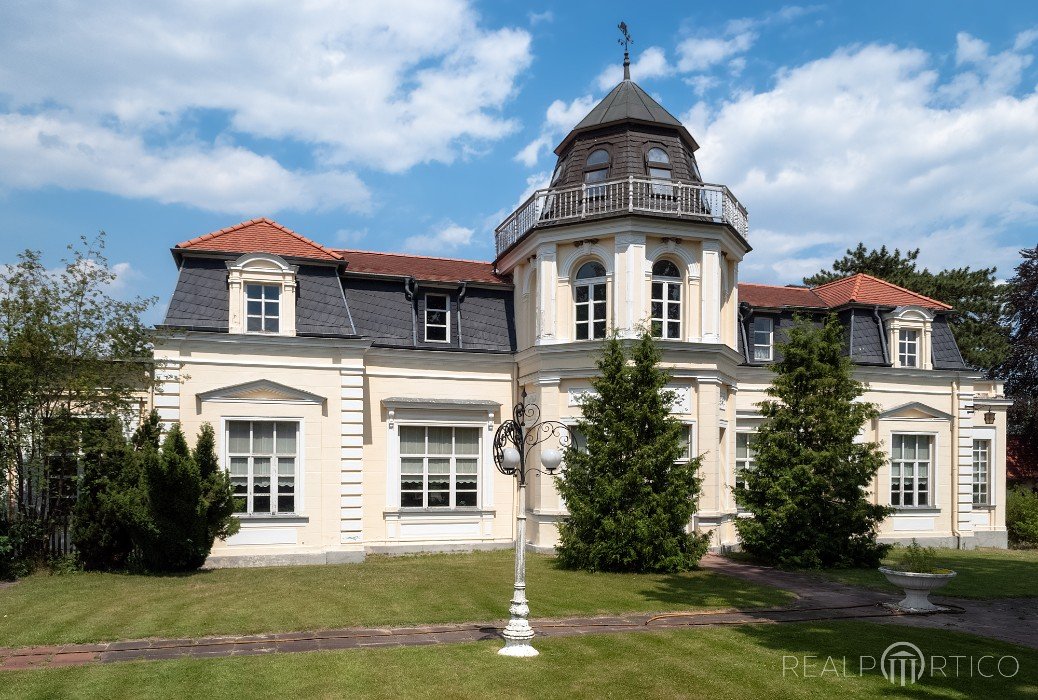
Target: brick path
(817,599)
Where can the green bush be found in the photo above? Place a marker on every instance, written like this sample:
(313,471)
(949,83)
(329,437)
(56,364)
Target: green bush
(110,507)
(916,559)
(1022,517)
(19,547)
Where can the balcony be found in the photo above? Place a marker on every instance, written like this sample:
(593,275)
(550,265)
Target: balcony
(697,202)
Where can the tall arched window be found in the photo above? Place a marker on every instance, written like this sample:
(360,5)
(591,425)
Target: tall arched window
(657,164)
(589,296)
(665,318)
(596,169)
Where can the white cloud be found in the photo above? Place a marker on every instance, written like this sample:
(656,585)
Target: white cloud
(546,17)
(559,119)
(650,63)
(870,145)
(49,150)
(444,239)
(357,84)
(702,52)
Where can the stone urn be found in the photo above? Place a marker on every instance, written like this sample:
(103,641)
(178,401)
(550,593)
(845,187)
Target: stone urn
(917,588)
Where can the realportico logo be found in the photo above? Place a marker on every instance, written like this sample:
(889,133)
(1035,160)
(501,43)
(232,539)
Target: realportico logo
(901,663)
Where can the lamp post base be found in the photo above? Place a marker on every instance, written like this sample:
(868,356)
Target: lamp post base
(517,642)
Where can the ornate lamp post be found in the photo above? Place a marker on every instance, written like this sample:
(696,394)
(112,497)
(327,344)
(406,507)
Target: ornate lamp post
(512,444)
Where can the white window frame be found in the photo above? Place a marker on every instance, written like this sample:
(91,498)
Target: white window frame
(666,303)
(590,283)
(452,477)
(985,482)
(931,478)
(300,458)
(747,463)
(690,427)
(447,315)
(262,300)
(771,338)
(903,344)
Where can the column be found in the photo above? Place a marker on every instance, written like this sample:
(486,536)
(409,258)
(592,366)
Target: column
(711,292)
(629,303)
(547,285)
(961,471)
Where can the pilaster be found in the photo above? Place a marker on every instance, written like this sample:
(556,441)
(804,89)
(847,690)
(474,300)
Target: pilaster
(711,292)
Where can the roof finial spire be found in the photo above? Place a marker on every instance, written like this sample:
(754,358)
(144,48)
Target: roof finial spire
(626,41)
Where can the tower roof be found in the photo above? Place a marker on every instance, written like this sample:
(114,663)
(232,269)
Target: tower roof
(627,102)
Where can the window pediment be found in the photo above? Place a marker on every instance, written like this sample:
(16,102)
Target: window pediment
(261,391)
(914,410)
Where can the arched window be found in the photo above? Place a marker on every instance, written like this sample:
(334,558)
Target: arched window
(589,298)
(596,169)
(657,165)
(658,155)
(560,168)
(665,319)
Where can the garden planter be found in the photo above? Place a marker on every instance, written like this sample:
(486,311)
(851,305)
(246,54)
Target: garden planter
(917,588)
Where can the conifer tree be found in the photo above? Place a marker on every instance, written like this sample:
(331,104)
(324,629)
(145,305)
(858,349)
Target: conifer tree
(177,537)
(109,507)
(217,494)
(808,487)
(1020,370)
(629,492)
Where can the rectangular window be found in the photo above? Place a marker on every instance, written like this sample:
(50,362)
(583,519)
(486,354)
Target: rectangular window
(981,472)
(686,443)
(911,466)
(744,457)
(591,310)
(262,457)
(660,188)
(437,318)
(439,467)
(666,309)
(908,348)
(262,308)
(763,338)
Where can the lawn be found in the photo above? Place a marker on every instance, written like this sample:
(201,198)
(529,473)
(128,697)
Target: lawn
(86,607)
(729,662)
(982,573)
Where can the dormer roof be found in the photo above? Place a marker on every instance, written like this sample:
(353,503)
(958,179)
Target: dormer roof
(866,289)
(260,235)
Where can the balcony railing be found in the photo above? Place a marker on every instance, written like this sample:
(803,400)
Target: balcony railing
(632,194)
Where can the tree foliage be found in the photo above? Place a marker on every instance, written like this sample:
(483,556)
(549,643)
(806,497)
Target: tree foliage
(1020,369)
(808,488)
(68,348)
(147,505)
(974,294)
(629,493)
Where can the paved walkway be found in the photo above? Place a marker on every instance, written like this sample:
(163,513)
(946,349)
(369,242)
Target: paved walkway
(817,599)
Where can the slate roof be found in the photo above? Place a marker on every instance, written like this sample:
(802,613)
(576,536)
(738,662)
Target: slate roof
(866,289)
(200,300)
(320,305)
(627,102)
(772,296)
(945,351)
(422,268)
(260,236)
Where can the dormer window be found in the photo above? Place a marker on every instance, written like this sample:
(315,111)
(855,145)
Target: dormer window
(437,318)
(908,348)
(262,308)
(262,289)
(763,339)
(909,336)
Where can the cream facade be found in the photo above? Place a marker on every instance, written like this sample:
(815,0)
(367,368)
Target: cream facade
(356,395)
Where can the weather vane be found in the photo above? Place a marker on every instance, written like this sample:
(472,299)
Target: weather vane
(625,42)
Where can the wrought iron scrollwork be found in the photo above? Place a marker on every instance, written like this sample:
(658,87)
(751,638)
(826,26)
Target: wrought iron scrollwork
(523,432)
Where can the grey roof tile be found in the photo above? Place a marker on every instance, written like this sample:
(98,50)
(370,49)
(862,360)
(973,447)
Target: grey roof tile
(945,350)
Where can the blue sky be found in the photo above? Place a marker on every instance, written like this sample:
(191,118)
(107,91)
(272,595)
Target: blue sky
(417,125)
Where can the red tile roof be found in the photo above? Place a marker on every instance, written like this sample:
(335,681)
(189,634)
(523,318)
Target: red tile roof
(260,236)
(773,296)
(866,289)
(421,267)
